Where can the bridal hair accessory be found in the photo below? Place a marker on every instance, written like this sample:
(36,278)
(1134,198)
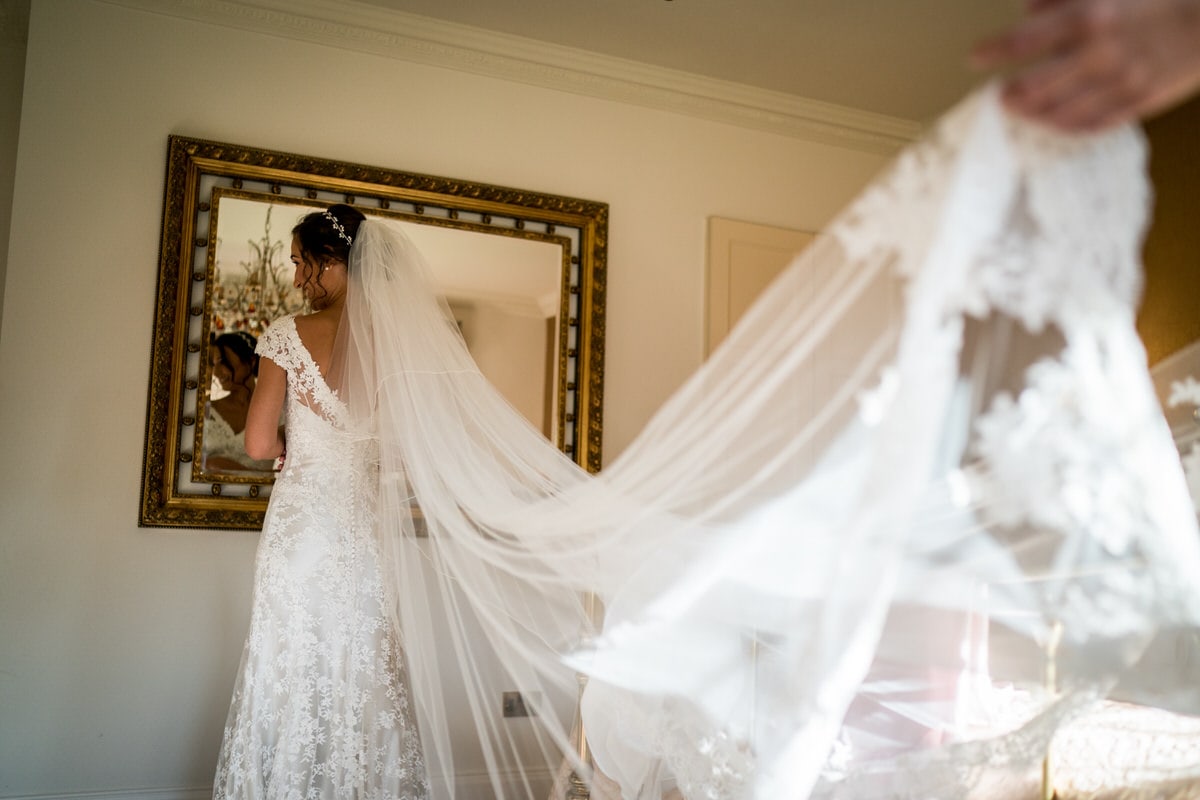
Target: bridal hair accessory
(337,226)
(246,337)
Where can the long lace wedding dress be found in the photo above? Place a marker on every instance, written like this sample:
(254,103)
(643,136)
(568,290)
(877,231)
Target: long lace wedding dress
(321,710)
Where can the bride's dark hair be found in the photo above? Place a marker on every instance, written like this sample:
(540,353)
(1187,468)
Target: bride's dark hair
(241,344)
(327,236)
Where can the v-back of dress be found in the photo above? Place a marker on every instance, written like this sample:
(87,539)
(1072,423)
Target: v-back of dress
(321,708)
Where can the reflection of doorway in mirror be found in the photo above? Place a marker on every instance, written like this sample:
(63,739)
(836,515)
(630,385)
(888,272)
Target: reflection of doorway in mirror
(505,293)
(510,348)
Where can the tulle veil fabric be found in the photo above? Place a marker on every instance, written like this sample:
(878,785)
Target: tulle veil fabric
(838,558)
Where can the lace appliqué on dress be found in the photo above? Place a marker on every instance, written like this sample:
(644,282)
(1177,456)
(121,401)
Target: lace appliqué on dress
(321,708)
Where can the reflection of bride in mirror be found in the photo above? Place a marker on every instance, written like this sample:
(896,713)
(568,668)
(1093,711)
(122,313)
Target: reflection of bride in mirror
(234,369)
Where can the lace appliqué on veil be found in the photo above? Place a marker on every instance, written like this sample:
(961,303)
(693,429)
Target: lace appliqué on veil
(1068,454)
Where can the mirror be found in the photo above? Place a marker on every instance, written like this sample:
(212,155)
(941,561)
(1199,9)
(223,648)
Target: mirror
(522,272)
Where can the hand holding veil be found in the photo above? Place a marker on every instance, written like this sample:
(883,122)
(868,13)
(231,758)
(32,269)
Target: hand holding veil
(934,434)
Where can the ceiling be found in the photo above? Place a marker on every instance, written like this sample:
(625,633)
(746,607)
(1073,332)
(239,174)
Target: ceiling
(902,58)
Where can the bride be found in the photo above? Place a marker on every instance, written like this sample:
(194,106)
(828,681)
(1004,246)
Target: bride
(322,704)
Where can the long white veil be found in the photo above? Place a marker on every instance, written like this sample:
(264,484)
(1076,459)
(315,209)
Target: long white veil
(927,463)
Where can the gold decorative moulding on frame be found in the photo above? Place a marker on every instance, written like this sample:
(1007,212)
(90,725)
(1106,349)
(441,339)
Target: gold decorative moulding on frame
(522,257)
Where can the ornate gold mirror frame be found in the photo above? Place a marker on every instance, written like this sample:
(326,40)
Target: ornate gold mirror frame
(203,294)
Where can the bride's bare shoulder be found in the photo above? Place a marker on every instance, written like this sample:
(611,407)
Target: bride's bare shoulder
(316,321)
(317,332)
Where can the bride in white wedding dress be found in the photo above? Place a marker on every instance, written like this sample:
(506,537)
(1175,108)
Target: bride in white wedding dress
(322,708)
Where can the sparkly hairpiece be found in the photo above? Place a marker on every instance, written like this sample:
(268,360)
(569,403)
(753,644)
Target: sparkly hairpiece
(246,337)
(337,226)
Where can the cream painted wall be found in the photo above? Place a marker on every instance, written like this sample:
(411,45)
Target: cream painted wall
(118,645)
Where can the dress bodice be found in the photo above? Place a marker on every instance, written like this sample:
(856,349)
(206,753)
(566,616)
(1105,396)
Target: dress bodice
(315,418)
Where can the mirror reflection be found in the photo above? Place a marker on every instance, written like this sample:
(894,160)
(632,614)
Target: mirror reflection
(234,368)
(504,292)
(523,274)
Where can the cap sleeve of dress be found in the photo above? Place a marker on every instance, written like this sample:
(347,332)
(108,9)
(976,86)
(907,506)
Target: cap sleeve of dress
(278,343)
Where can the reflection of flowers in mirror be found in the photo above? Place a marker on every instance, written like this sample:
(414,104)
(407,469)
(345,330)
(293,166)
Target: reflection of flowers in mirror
(261,292)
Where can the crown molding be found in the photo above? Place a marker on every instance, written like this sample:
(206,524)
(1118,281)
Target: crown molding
(363,28)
